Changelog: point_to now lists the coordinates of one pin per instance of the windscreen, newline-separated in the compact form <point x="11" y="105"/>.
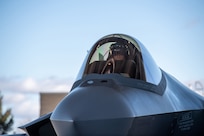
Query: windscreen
<point x="121" y="54"/>
<point x="117" y="55"/>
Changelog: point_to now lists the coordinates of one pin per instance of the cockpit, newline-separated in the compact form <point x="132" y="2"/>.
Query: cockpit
<point x="121" y="54"/>
<point x="117" y="55"/>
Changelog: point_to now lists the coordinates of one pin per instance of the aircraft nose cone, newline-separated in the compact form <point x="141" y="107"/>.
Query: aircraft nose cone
<point x="96" y="104"/>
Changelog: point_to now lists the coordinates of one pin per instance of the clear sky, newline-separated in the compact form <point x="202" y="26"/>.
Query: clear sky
<point x="43" y="43"/>
<point x="50" y="38"/>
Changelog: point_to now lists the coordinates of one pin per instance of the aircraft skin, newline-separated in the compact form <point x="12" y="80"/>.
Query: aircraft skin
<point x="124" y="97"/>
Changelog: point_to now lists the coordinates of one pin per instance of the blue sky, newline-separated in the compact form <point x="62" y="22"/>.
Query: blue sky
<point x="50" y="38"/>
<point x="43" y="43"/>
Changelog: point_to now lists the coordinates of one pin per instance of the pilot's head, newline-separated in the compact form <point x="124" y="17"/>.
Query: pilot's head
<point x="119" y="51"/>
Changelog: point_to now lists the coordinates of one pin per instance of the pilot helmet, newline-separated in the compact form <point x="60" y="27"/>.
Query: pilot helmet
<point x="119" y="49"/>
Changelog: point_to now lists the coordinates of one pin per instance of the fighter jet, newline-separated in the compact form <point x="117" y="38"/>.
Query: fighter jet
<point x="120" y="91"/>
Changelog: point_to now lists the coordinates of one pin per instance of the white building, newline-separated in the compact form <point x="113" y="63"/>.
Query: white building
<point x="197" y="86"/>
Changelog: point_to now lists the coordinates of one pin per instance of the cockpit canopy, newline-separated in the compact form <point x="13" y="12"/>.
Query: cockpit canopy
<point x="122" y="54"/>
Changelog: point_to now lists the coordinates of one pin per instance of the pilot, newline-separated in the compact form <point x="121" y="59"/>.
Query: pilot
<point x="119" y="51"/>
<point x="118" y="54"/>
